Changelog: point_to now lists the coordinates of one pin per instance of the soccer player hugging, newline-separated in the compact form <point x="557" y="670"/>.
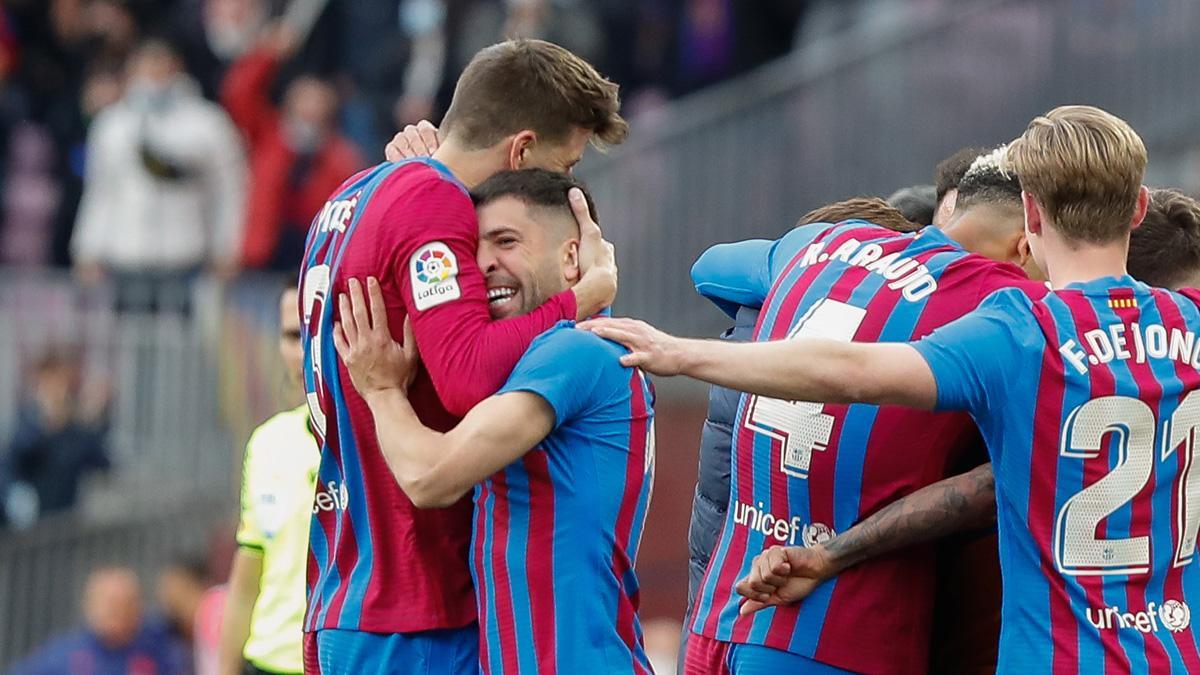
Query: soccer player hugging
<point x="560" y="460"/>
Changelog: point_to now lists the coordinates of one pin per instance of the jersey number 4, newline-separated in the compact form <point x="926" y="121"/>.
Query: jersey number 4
<point x="802" y="427"/>
<point x="1077" y="549"/>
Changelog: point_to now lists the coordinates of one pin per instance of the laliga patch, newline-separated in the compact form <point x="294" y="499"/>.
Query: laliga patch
<point x="434" y="274"/>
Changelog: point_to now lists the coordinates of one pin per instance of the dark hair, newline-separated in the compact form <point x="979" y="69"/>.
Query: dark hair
<point x="532" y="84"/>
<point x="1164" y="250"/>
<point x="871" y="209"/>
<point x="950" y="171"/>
<point x="917" y="203"/>
<point x="989" y="181"/>
<point x="191" y="563"/>
<point x="534" y="187"/>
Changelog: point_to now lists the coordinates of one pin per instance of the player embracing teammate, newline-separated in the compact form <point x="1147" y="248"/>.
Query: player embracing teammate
<point x="1085" y="398"/>
<point x="389" y="586"/>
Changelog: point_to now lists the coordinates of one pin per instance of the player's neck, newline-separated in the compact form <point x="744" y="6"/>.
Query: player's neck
<point x="470" y="167"/>
<point x="1086" y="262"/>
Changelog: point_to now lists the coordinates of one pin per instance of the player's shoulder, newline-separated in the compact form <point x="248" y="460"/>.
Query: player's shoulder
<point x="421" y="178"/>
<point x="580" y="351"/>
<point x="1019" y="300"/>
<point x="565" y="337"/>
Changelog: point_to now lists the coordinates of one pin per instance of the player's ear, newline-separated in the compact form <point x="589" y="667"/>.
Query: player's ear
<point x="1143" y="204"/>
<point x="1033" y="214"/>
<point x="570" y="261"/>
<point x="520" y="149"/>
<point x="1022" y="252"/>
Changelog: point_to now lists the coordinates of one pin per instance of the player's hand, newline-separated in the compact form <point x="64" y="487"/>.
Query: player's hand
<point x="597" y="260"/>
<point x="784" y="575"/>
<point x="374" y="360"/>
<point x="650" y="349"/>
<point x="414" y="140"/>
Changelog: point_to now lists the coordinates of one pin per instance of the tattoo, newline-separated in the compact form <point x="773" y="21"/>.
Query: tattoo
<point x="958" y="503"/>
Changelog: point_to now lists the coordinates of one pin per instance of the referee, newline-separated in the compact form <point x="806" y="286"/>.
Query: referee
<point x="261" y="631"/>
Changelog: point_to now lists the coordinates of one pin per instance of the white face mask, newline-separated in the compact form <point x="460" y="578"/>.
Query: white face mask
<point x="303" y="137"/>
<point x="149" y="94"/>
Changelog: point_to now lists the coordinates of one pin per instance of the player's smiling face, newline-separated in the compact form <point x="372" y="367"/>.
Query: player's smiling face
<point x="523" y="257"/>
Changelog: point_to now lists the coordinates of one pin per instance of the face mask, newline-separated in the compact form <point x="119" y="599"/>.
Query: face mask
<point x="149" y="94"/>
<point x="302" y="137"/>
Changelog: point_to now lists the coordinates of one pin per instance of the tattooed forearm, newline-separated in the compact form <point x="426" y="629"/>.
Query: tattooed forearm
<point x="958" y="503"/>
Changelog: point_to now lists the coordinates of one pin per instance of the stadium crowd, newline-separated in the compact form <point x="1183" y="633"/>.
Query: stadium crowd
<point x="92" y="93"/>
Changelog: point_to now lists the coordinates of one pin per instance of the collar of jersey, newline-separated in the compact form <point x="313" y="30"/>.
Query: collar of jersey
<point x="1105" y="284"/>
<point x="935" y="233"/>
<point x="441" y="169"/>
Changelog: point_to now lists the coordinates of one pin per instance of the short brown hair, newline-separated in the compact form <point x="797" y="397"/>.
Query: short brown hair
<point x="1084" y="166"/>
<point x="536" y="85"/>
<point x="536" y="188"/>
<point x="1164" y="250"/>
<point x="871" y="209"/>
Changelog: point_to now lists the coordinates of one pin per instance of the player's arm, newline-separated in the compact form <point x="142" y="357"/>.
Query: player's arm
<point x="434" y="469"/>
<point x="804" y="369"/>
<point x="243" y="589"/>
<point x="784" y="575"/>
<point x="739" y="274"/>
<point x="467" y="355"/>
<point x="734" y="275"/>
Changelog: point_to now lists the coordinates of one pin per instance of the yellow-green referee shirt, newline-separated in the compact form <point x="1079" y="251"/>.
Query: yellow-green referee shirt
<point x="278" y="483"/>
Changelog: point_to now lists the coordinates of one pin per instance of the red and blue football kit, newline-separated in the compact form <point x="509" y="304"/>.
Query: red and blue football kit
<point x="377" y="563"/>
<point x="801" y="472"/>
<point x="1087" y="398"/>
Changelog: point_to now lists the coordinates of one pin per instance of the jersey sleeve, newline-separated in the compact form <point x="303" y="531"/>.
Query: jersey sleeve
<point x="249" y="532"/>
<point x="740" y="274"/>
<point x="973" y="357"/>
<point x="468" y="356"/>
<point x="570" y="369"/>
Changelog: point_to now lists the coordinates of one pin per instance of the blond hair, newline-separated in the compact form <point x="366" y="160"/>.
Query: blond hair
<point x="536" y="85"/>
<point x="1084" y="166"/>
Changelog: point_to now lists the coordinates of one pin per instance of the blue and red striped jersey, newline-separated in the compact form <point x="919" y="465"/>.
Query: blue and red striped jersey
<point x="1092" y="446"/>
<point x="376" y="563"/>
<point x="556" y="532"/>
<point x="802" y="471"/>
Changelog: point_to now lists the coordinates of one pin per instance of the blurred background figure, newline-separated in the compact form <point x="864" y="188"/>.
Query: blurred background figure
<point x="59" y="440"/>
<point x="165" y="184"/>
<point x="297" y="155"/>
<point x="112" y="640"/>
<point x="179" y="591"/>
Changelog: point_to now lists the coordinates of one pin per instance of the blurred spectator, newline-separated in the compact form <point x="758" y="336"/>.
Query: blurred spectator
<point x="165" y="181"/>
<point x="298" y="157"/>
<point x="59" y="439"/>
<point x="112" y="639"/>
<point x="179" y="591"/>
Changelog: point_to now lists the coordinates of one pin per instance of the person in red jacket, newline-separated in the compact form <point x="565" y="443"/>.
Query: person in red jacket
<point x="297" y="156"/>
